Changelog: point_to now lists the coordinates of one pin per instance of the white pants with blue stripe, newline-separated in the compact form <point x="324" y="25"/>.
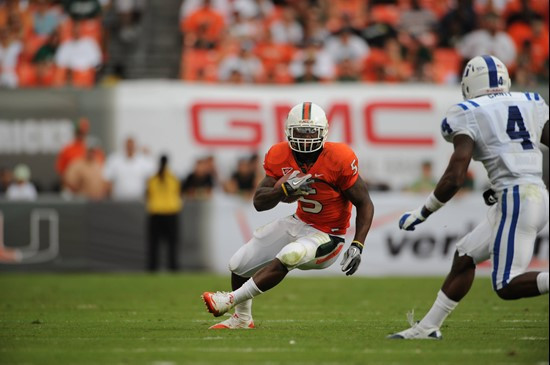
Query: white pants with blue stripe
<point x="507" y="236"/>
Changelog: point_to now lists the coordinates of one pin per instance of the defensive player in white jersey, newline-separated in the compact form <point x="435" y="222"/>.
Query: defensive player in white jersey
<point x="501" y="129"/>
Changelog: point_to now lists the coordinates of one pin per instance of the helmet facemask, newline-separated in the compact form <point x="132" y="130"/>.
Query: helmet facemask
<point x="306" y="139"/>
<point x="306" y="127"/>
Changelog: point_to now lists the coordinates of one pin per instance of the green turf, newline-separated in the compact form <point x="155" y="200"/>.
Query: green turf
<point x="160" y="320"/>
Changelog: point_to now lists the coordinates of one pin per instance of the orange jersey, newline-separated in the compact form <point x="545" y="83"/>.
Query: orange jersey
<point x="335" y="171"/>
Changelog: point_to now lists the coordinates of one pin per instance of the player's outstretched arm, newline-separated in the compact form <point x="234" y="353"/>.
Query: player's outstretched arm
<point x="457" y="169"/>
<point x="358" y="195"/>
<point x="448" y="185"/>
<point x="266" y="195"/>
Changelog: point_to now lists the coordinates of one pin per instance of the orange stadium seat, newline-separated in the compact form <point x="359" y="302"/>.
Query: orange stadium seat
<point x="60" y="77"/>
<point x="91" y="28"/>
<point x="446" y="63"/>
<point x="83" y="79"/>
<point x="520" y="32"/>
<point x="26" y="73"/>
<point x="385" y="14"/>
<point x="199" y="65"/>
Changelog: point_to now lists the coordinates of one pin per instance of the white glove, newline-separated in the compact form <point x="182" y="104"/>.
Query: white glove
<point x="298" y="185"/>
<point x="410" y="220"/>
<point x="352" y="259"/>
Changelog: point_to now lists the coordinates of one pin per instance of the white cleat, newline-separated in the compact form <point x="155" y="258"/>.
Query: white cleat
<point x="417" y="333"/>
<point x="233" y="322"/>
<point x="218" y="303"/>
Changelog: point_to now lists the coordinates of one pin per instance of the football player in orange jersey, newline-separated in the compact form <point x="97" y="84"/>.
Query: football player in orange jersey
<point x="324" y="178"/>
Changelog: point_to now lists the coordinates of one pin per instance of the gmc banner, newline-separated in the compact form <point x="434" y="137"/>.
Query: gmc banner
<point x="392" y="128"/>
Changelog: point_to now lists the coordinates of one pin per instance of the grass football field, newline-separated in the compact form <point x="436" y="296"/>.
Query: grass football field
<point x="160" y="320"/>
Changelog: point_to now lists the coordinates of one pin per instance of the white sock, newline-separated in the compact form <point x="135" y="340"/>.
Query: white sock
<point x="542" y="282"/>
<point x="439" y="311"/>
<point x="247" y="291"/>
<point x="244" y="310"/>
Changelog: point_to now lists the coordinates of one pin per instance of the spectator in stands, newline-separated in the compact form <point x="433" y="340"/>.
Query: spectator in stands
<point x="222" y="7"/>
<point x="77" y="59"/>
<point x="164" y="204"/>
<point x="21" y="188"/>
<point x="347" y="46"/>
<point x="348" y="71"/>
<point x="6" y="178"/>
<point x="490" y="39"/>
<point x="273" y="54"/>
<point x="10" y="49"/>
<point x="75" y="149"/>
<point x="287" y="29"/>
<point x="243" y="65"/>
<point x="84" y="176"/>
<point x="254" y="9"/>
<point x="520" y="11"/>
<point x="456" y="23"/>
<point x="346" y="13"/>
<point x="387" y="65"/>
<point x="200" y="182"/>
<point x="242" y="28"/>
<point x="127" y="173"/>
<point x="323" y="65"/>
<point x="14" y="13"/>
<point x="314" y="28"/>
<point x="308" y="73"/>
<point x="417" y="21"/>
<point x="44" y="62"/>
<point x="376" y="32"/>
<point x="45" y="18"/>
<point x="82" y="9"/>
<point x="426" y="182"/>
<point x="245" y="178"/>
<point x="206" y="18"/>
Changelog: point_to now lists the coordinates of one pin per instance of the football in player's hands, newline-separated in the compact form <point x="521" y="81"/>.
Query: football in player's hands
<point x="291" y="175"/>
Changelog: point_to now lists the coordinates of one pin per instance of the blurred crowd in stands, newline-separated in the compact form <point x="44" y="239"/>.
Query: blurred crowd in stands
<point x="281" y="42"/>
<point x="55" y="43"/>
<point x="46" y="43"/>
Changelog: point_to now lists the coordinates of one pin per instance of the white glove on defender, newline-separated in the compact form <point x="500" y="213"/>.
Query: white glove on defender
<point x="410" y="220"/>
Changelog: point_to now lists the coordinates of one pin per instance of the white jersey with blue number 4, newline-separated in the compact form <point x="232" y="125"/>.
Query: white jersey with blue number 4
<point x="506" y="129"/>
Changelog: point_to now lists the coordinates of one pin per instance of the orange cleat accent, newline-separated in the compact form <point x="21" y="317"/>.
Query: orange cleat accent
<point x="234" y="322"/>
<point x="217" y="303"/>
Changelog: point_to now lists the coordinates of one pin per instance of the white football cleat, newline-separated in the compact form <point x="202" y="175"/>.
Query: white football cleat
<point x="417" y="333"/>
<point x="218" y="303"/>
<point x="233" y="322"/>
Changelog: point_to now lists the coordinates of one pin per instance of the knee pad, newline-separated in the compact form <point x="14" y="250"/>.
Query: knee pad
<point x="292" y="254"/>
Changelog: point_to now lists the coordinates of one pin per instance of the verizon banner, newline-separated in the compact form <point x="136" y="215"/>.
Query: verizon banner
<point x="393" y="129"/>
<point x="388" y="251"/>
